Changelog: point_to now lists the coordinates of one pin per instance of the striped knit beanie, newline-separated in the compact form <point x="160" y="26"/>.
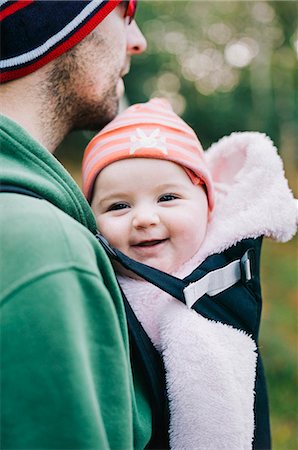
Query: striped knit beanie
<point x="147" y="130"/>
<point x="34" y="32"/>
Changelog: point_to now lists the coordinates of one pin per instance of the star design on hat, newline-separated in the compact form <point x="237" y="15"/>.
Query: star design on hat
<point x="141" y="140"/>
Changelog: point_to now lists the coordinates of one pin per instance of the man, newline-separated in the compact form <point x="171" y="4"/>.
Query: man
<point x="67" y="379"/>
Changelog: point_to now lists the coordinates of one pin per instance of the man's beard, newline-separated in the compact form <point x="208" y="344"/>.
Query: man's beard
<point x="72" y="109"/>
<point x="92" y="115"/>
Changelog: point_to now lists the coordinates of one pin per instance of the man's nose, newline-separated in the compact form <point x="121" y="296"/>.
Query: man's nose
<point x="136" y="42"/>
<point x="144" y="217"/>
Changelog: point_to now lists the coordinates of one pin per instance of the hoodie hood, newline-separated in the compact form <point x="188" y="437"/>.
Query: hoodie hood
<point x="22" y="156"/>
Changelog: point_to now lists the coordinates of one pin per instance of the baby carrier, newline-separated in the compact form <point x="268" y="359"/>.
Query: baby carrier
<point x="225" y="285"/>
<point x="213" y="290"/>
<point x="252" y="200"/>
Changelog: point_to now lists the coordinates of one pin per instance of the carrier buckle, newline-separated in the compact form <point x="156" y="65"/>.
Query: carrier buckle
<point x="247" y="263"/>
<point x="219" y="280"/>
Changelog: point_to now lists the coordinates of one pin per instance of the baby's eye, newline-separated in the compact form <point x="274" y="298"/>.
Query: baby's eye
<point x="117" y="206"/>
<point x="167" y="197"/>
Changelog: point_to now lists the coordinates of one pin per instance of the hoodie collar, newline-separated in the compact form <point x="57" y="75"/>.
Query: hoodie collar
<point x="30" y="165"/>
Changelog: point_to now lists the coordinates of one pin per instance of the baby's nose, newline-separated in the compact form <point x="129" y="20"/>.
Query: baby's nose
<point x="144" y="218"/>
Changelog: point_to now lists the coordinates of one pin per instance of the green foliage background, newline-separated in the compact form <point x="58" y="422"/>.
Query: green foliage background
<point x="225" y="66"/>
<point x="232" y="66"/>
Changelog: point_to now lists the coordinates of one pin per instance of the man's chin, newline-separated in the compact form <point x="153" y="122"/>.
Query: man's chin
<point x="97" y="117"/>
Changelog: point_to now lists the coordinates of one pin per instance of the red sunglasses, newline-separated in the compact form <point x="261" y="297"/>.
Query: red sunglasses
<point x="130" y="9"/>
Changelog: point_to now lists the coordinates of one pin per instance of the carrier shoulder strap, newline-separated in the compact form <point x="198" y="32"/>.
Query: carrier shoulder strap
<point x="168" y="283"/>
<point x="187" y="290"/>
<point x="149" y="360"/>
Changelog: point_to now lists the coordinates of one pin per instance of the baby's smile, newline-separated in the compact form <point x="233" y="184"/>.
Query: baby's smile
<point x="149" y="243"/>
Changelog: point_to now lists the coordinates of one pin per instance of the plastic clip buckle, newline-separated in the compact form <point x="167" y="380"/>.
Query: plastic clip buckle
<point x="247" y="266"/>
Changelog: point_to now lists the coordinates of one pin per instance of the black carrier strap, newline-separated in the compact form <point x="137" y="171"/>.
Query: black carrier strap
<point x="200" y="282"/>
<point x="218" y="274"/>
<point x="148" y="359"/>
<point x="172" y="285"/>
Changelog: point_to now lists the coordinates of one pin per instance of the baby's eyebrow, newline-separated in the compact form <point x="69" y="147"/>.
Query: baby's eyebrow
<point x="115" y="196"/>
<point x="175" y="185"/>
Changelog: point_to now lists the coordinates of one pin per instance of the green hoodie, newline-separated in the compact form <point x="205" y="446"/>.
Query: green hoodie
<point x="67" y="381"/>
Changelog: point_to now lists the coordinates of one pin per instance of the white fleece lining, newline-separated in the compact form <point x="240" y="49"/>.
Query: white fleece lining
<point x="210" y="367"/>
<point x="210" y="381"/>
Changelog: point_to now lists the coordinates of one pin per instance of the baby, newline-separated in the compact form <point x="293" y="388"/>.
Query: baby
<point x="149" y="186"/>
<point x="164" y="202"/>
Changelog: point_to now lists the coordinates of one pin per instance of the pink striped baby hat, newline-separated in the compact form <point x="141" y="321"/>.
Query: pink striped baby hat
<point x="147" y="130"/>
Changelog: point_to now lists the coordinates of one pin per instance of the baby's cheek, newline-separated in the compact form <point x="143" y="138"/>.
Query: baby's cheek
<point x="192" y="238"/>
<point x="118" y="237"/>
<point x="107" y="230"/>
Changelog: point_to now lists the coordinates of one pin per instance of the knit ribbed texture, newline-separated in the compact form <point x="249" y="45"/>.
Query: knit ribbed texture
<point x="34" y="33"/>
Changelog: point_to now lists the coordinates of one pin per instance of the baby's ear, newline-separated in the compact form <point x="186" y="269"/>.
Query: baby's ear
<point x="226" y="159"/>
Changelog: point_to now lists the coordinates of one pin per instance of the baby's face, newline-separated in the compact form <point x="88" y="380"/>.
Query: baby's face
<point x="150" y="210"/>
